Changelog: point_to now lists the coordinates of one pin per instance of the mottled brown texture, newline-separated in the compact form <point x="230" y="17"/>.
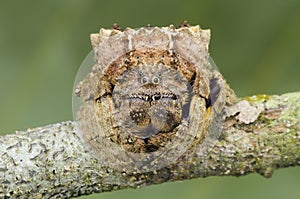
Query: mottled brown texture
<point x="151" y="96"/>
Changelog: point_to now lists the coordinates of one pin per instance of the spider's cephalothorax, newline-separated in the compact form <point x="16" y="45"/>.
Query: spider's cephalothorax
<point x="151" y="96"/>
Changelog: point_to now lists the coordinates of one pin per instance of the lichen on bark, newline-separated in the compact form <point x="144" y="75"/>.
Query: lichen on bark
<point x="52" y="162"/>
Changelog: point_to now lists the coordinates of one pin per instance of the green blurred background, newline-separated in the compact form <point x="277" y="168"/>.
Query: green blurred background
<point x="255" y="44"/>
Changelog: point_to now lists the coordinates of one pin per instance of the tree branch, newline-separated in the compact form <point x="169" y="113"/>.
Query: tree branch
<point x="261" y="134"/>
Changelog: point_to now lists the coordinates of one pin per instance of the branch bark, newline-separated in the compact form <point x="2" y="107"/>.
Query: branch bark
<point x="261" y="134"/>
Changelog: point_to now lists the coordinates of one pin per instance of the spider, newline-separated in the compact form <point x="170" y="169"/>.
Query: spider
<point x="152" y="94"/>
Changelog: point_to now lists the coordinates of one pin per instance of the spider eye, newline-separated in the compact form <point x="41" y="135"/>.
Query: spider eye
<point x="155" y="80"/>
<point x="144" y="80"/>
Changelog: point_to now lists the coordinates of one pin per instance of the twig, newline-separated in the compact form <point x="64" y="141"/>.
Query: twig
<point x="261" y="134"/>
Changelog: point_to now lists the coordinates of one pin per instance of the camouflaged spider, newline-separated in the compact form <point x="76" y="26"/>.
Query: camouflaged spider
<point x="152" y="94"/>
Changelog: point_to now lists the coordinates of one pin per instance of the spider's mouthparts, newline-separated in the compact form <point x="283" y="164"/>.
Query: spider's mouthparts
<point x="152" y="97"/>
